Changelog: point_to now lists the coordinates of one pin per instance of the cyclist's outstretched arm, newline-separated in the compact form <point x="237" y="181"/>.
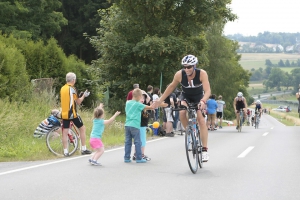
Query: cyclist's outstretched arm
<point x="206" y="85"/>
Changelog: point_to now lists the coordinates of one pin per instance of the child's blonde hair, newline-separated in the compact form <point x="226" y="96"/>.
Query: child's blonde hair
<point x="137" y="93"/>
<point x="98" y="112"/>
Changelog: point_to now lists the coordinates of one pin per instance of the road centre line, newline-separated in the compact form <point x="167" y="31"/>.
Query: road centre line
<point x="266" y="133"/>
<point x="242" y="155"/>
<point x="65" y="160"/>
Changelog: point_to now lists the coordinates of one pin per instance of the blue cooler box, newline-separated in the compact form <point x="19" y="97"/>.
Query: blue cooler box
<point x="154" y="130"/>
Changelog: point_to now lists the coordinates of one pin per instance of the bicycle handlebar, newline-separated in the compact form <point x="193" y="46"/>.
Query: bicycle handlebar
<point x="191" y="106"/>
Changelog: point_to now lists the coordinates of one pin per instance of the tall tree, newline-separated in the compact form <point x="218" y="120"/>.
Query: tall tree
<point x="140" y="40"/>
<point x="268" y="63"/>
<point x="33" y="18"/>
<point x="83" y="20"/>
<point x="275" y="78"/>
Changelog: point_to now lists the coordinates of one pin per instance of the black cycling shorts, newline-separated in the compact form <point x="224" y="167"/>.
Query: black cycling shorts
<point x="191" y="98"/>
<point x="77" y="122"/>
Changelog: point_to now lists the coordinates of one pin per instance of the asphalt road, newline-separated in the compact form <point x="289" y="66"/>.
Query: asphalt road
<point x="258" y="164"/>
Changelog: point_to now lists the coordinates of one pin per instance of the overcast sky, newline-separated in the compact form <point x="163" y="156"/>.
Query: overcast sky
<point x="257" y="16"/>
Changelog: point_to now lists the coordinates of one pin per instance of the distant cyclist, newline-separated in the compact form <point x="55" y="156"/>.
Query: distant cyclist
<point x="240" y="103"/>
<point x="258" y="107"/>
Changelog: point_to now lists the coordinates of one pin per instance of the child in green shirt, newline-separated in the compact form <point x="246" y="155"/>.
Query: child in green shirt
<point x="133" y="111"/>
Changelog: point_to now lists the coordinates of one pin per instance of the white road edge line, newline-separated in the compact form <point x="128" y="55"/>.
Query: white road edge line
<point x="266" y="133"/>
<point x="65" y="160"/>
<point x="242" y="155"/>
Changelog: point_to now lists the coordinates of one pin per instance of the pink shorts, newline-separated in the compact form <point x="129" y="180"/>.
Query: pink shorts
<point x="96" y="143"/>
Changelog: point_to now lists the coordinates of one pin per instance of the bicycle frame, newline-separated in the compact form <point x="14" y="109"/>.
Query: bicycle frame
<point x="240" y="120"/>
<point x="193" y="142"/>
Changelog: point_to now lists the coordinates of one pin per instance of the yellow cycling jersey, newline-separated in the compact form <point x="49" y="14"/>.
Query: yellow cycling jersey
<point x="68" y="95"/>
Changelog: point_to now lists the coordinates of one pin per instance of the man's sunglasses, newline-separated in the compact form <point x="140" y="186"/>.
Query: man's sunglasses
<point x="187" y="67"/>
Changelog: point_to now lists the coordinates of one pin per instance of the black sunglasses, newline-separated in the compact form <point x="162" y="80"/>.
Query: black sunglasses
<point x="187" y="67"/>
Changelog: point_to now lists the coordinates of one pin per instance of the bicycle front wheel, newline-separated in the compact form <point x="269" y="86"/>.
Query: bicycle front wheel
<point x="54" y="141"/>
<point x="256" y="123"/>
<point x="191" y="150"/>
<point x="199" y="144"/>
<point x="241" y="124"/>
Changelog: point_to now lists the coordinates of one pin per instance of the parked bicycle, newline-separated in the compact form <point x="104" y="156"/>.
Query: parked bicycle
<point x="193" y="143"/>
<point x="54" y="140"/>
<point x="240" y="120"/>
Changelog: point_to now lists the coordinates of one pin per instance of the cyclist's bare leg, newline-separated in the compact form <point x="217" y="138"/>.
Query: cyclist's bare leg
<point x="203" y="128"/>
<point x="82" y="135"/>
<point x="237" y="117"/>
<point x="260" y="112"/>
<point x="183" y="118"/>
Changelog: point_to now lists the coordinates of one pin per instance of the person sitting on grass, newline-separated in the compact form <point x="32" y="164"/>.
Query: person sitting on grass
<point x="47" y="124"/>
<point x="97" y="131"/>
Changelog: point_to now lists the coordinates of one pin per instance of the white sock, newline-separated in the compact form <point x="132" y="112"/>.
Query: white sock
<point x="66" y="151"/>
<point x="83" y="148"/>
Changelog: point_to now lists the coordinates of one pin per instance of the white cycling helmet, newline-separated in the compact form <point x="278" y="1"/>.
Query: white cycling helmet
<point x="189" y="60"/>
<point x="239" y="94"/>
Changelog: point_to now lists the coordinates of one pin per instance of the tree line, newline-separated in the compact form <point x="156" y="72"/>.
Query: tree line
<point x="282" y="42"/>
<point x="117" y="44"/>
<point x="285" y="39"/>
<point x="274" y="77"/>
<point x="282" y="63"/>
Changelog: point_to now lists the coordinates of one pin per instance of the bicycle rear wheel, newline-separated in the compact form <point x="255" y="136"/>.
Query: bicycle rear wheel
<point x="191" y="150"/>
<point x="54" y="141"/>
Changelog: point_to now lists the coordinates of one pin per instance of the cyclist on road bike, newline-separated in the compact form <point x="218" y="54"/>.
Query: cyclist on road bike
<point x="239" y="103"/>
<point x="196" y="89"/>
<point x="258" y="107"/>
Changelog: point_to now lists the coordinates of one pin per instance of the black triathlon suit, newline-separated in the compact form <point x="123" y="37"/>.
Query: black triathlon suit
<point x="191" y="93"/>
<point x="239" y="104"/>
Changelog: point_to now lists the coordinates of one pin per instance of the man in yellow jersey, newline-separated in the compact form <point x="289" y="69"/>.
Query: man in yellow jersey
<point x="69" y="102"/>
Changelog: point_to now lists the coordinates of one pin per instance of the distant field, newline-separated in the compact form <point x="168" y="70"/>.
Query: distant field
<point x="257" y="60"/>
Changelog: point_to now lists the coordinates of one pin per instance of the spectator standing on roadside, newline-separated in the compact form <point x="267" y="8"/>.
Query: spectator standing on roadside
<point x="170" y="100"/>
<point x="149" y="92"/>
<point x="176" y="113"/>
<point x="69" y="102"/>
<point x="133" y="111"/>
<point x="156" y="94"/>
<point x="129" y="95"/>
<point x="211" y="112"/>
<point x="220" y="110"/>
